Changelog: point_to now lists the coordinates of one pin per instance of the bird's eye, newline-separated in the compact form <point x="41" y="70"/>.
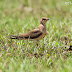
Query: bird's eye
<point x="43" y="19"/>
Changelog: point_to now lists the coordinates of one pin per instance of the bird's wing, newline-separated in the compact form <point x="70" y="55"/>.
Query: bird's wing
<point x="32" y="34"/>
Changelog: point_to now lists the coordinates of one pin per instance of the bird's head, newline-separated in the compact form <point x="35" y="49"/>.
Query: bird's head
<point x="44" y="20"/>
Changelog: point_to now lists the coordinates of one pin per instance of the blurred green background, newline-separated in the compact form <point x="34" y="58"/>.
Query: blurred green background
<point x="20" y="16"/>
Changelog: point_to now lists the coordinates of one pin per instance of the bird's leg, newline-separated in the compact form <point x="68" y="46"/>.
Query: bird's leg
<point x="36" y="48"/>
<point x="37" y="44"/>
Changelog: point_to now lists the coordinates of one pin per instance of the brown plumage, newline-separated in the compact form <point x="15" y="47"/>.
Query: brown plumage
<point x="35" y="34"/>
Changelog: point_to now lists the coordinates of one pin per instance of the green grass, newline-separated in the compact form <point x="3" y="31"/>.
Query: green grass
<point x="20" y="16"/>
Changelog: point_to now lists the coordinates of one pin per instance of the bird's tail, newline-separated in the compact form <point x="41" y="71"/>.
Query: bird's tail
<point x="14" y="37"/>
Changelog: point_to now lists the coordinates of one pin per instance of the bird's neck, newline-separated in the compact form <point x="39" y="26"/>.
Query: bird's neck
<point x="44" y="24"/>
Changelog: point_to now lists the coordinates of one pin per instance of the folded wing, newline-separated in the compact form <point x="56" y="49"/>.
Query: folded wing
<point x="31" y="34"/>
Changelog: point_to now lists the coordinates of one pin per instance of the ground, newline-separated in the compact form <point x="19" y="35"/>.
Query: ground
<point x="54" y="53"/>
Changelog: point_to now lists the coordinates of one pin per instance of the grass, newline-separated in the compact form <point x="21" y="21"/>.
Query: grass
<point x="24" y="15"/>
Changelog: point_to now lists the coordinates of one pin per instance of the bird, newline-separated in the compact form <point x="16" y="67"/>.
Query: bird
<point x="35" y="34"/>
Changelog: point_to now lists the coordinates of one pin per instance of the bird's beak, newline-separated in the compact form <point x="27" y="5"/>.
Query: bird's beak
<point x="47" y="18"/>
